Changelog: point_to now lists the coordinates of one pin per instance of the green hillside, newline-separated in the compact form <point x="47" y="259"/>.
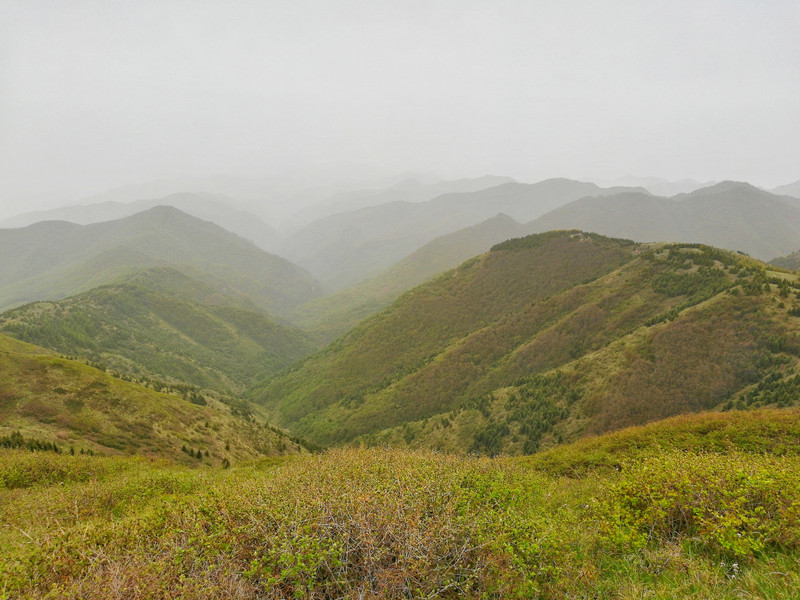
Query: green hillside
<point x="547" y="338"/>
<point x="46" y="399"/>
<point x="51" y="260"/>
<point x="162" y="324"/>
<point x="703" y="508"/>
<point x="382" y="354"/>
<point x="331" y="316"/>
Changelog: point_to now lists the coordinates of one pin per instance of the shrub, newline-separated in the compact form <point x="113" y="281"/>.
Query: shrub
<point x="736" y="504"/>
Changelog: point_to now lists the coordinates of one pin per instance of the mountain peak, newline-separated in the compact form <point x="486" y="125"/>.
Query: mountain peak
<point x="723" y="187"/>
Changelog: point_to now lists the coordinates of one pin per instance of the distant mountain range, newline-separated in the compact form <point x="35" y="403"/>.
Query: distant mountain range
<point x="657" y="185"/>
<point x="346" y="248"/>
<point x="407" y="190"/>
<point x="547" y="338"/>
<point x="731" y="215"/>
<point x="790" y="189"/>
<point x="462" y="332"/>
<point x="216" y="208"/>
<point x="54" y="259"/>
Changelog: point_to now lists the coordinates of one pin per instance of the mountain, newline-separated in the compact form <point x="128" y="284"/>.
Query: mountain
<point x="659" y="186"/>
<point x="550" y="337"/>
<point x="53" y="259"/>
<point x="160" y="323"/>
<point x="790" y="189"/>
<point x="407" y="190"/>
<point x="331" y="316"/>
<point x="731" y="215"/>
<point x="47" y="399"/>
<point x="346" y="248"/>
<point x="790" y="261"/>
<point x="216" y="208"/>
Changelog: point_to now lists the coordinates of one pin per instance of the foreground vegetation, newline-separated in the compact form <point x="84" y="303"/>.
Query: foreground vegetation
<point x="703" y="507"/>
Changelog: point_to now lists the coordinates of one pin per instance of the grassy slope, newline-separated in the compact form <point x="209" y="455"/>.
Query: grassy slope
<point x="729" y="352"/>
<point x="331" y="316"/>
<point x="52" y="399"/>
<point x="355" y="374"/>
<point x="633" y="342"/>
<point x="641" y="513"/>
<point x="160" y="323"/>
<point x="51" y="260"/>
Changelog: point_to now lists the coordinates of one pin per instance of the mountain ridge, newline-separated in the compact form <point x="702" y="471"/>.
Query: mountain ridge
<point x="732" y="215"/>
<point x="344" y="249"/>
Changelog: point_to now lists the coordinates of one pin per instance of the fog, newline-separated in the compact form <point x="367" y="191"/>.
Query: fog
<point x="95" y="95"/>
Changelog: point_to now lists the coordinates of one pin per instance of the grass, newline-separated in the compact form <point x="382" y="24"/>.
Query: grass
<point x="666" y="520"/>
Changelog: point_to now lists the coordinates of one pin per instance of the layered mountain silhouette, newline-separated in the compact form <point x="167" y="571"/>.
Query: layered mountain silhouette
<point x="331" y="316"/>
<point x="216" y="208"/>
<point x="346" y="248"/>
<point x="659" y="186"/>
<point x="415" y="189"/>
<point x="53" y="259"/>
<point x="731" y="215"/>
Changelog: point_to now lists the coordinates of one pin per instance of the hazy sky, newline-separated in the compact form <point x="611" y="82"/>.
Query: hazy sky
<point x="99" y="94"/>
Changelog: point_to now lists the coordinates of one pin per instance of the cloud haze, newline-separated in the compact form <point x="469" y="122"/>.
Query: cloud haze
<point x="98" y="94"/>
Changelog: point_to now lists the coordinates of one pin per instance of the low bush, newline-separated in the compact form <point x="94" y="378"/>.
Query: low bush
<point x="736" y="504"/>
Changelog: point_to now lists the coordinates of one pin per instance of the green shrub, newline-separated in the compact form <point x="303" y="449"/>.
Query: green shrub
<point x="735" y="504"/>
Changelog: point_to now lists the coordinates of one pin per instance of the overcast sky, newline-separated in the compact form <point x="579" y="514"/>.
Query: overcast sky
<point x="99" y="94"/>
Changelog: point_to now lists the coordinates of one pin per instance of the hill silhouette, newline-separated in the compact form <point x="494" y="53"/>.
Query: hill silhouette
<point x="343" y="249"/>
<point x="50" y="260"/>
<point x="731" y="215"/>
<point x="331" y="316"/>
<point x="216" y="208"/>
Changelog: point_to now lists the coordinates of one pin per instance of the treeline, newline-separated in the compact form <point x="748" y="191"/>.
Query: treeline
<point x="773" y="390"/>
<point x="539" y="239"/>
<point x="15" y="440"/>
